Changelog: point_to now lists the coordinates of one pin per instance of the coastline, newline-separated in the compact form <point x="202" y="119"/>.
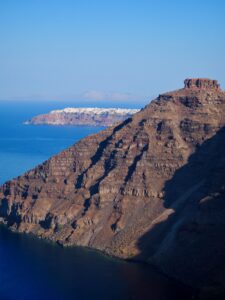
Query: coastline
<point x="189" y="290"/>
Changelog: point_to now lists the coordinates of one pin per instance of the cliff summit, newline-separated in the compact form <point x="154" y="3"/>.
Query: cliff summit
<point x="201" y="83"/>
<point x="151" y="188"/>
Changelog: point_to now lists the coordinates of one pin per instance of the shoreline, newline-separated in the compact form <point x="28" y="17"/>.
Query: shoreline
<point x="29" y="235"/>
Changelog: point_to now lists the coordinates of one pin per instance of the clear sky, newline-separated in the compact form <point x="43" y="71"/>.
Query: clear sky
<point x="108" y="49"/>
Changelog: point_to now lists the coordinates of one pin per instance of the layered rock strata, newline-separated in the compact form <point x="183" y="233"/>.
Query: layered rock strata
<point x="151" y="188"/>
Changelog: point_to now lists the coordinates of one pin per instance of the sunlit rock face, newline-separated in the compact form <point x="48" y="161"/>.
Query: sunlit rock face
<point x="151" y="188"/>
<point x="201" y="83"/>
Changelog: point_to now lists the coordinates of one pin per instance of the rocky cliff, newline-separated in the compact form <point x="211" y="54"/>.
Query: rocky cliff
<point x="151" y="188"/>
<point x="92" y="116"/>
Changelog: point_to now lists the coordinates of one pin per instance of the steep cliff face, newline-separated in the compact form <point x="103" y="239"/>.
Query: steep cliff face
<point x="151" y="188"/>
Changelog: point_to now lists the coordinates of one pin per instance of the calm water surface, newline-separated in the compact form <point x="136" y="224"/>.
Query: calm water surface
<point x="35" y="269"/>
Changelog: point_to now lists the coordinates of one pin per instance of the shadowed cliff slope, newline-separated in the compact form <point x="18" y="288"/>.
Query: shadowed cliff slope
<point x="189" y="243"/>
<point x="150" y="188"/>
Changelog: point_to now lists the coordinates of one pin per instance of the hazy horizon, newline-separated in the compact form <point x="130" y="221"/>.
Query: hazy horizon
<point x="122" y="51"/>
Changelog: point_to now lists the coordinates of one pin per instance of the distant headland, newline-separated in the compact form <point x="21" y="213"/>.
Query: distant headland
<point x="83" y="116"/>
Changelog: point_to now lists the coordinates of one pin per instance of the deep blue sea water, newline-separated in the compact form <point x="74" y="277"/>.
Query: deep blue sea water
<point x="22" y="146"/>
<point x="34" y="269"/>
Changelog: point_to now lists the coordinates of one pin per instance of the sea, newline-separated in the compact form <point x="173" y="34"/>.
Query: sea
<point x="34" y="269"/>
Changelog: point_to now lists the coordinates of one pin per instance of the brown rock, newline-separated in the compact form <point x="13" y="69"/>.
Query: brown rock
<point x="201" y="83"/>
<point x="151" y="188"/>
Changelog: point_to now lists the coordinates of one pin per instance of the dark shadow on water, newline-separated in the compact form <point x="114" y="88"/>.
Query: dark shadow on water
<point x="35" y="269"/>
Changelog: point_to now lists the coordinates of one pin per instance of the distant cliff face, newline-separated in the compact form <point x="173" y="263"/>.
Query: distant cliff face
<point x="151" y="188"/>
<point x="83" y="116"/>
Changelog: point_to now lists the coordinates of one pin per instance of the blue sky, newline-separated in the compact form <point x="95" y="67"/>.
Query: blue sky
<point x="117" y="49"/>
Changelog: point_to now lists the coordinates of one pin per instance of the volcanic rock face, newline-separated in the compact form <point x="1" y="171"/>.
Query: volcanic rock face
<point x="151" y="188"/>
<point x="201" y="84"/>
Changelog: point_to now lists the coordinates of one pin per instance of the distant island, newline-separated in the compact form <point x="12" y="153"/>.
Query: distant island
<point x="83" y="116"/>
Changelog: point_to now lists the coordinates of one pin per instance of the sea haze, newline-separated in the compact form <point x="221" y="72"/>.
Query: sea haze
<point x="35" y="269"/>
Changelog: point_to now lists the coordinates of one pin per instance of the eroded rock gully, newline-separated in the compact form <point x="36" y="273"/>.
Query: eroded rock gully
<point x="151" y="188"/>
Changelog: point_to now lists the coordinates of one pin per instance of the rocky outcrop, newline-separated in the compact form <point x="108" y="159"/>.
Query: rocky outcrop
<point x="151" y="188"/>
<point x="83" y="116"/>
<point x="200" y="83"/>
